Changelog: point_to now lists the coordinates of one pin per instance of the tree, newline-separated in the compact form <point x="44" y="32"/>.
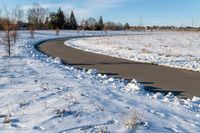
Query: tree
<point x="67" y="22"/>
<point x="118" y="26"/>
<point x="9" y="32"/>
<point x="126" y="26"/>
<point x="57" y="31"/>
<point x="86" y="25"/>
<point x="47" y="24"/>
<point x="1" y="24"/>
<point x="101" y="25"/>
<point x="37" y="16"/>
<point x="32" y="31"/>
<point x="110" y="25"/>
<point x="57" y="20"/>
<point x="91" y="23"/>
<point x="72" y="21"/>
<point x="53" y="20"/>
<point x="106" y="29"/>
<point x="60" y="19"/>
<point x="82" y="23"/>
<point x="18" y="14"/>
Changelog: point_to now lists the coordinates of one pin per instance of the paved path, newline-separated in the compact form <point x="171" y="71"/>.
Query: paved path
<point x="155" y="78"/>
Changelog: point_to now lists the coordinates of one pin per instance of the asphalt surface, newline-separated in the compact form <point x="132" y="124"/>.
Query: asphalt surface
<point x="182" y="83"/>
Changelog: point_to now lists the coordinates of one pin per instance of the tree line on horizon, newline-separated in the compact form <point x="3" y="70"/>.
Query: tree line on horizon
<point x="38" y="18"/>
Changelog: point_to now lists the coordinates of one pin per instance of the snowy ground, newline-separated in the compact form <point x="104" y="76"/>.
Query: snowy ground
<point x="39" y="94"/>
<point x="174" y="49"/>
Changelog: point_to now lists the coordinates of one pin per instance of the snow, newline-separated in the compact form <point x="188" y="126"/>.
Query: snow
<point x="173" y="49"/>
<point x="39" y="94"/>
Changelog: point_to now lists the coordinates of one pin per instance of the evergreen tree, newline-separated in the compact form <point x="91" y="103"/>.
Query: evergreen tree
<point x="126" y="26"/>
<point x="72" y="21"/>
<point x="101" y="25"/>
<point x="67" y="23"/>
<point x="53" y="20"/>
<point x="60" y="19"/>
<point x="57" y="20"/>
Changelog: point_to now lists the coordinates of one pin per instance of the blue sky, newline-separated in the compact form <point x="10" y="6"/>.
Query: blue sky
<point x="152" y="12"/>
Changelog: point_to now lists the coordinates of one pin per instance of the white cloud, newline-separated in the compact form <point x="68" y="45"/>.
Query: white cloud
<point x="106" y="3"/>
<point x="86" y="9"/>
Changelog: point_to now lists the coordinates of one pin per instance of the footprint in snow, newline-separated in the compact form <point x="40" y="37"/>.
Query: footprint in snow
<point x="39" y="128"/>
<point x="193" y="123"/>
<point x="16" y="125"/>
<point x="158" y="113"/>
<point x="128" y="107"/>
<point x="173" y="130"/>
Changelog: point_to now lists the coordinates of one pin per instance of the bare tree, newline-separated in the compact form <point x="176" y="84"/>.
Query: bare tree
<point x="91" y="23"/>
<point x="32" y="31"/>
<point x="57" y="31"/>
<point x="17" y="17"/>
<point x="82" y="22"/>
<point x="84" y="25"/>
<point x="106" y="29"/>
<point x="37" y="15"/>
<point x="9" y="32"/>
<point x="78" y="30"/>
<point x="18" y="14"/>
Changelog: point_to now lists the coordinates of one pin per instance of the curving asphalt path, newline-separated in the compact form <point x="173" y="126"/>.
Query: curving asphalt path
<point x="183" y="83"/>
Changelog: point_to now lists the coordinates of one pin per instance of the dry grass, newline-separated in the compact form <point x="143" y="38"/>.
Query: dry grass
<point x="144" y="50"/>
<point x="7" y="120"/>
<point x="131" y="122"/>
<point x="134" y="120"/>
<point x="198" y="59"/>
<point x="102" y="130"/>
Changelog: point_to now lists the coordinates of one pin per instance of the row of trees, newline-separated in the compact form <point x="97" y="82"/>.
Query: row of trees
<point x="38" y="18"/>
<point x="41" y="19"/>
<point x="59" y="20"/>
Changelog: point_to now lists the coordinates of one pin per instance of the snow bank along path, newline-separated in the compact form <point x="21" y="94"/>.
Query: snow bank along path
<point x="155" y="78"/>
<point x="42" y="95"/>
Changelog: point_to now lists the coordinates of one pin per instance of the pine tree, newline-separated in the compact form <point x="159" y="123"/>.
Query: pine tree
<point x="60" y="19"/>
<point x="73" y="23"/>
<point x="57" y="20"/>
<point x="101" y="25"/>
<point x="53" y="20"/>
<point x="126" y="26"/>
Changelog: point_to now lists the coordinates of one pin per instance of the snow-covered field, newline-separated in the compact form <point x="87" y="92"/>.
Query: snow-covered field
<point x="174" y="49"/>
<point x="39" y="94"/>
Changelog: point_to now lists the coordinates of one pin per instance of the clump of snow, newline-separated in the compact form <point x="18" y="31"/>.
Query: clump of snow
<point x="174" y="49"/>
<point x="196" y="100"/>
<point x="158" y="96"/>
<point x="57" y="60"/>
<point x="40" y="94"/>
<point x="134" y="86"/>
<point x="92" y="71"/>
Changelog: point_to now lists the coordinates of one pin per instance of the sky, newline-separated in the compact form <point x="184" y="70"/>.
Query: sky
<point x="135" y="12"/>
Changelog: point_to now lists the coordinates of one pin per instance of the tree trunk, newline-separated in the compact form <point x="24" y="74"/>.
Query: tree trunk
<point x="9" y="51"/>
